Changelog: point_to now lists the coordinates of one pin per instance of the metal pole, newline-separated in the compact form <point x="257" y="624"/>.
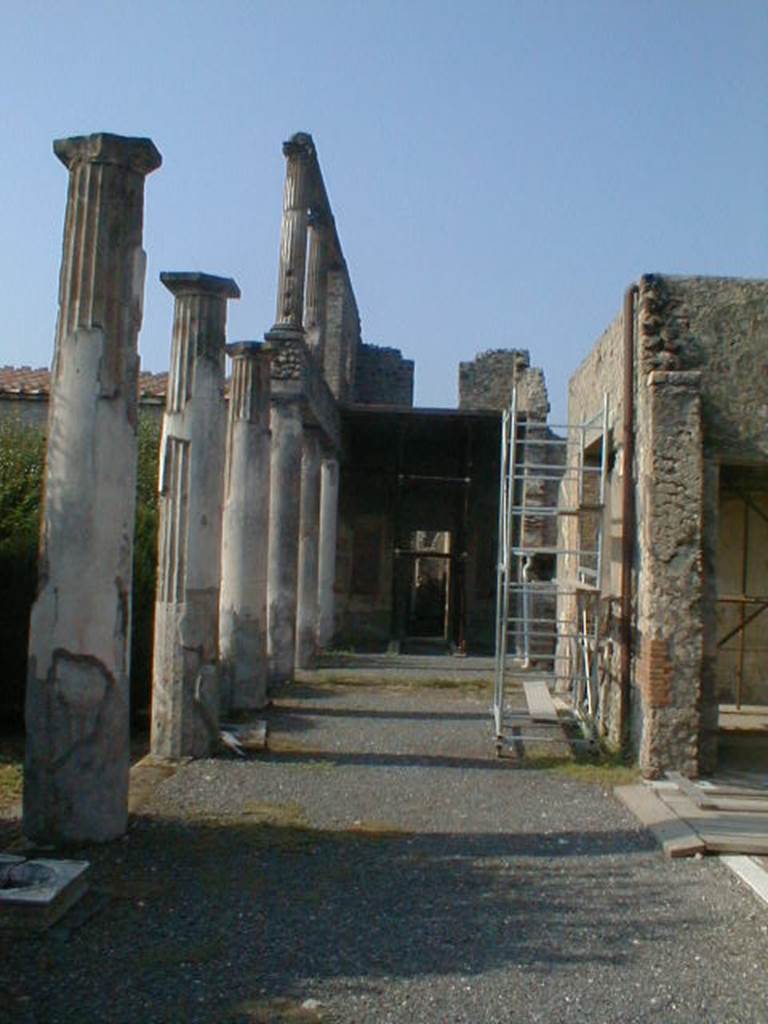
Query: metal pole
<point x="500" y="561"/>
<point x="742" y="614"/>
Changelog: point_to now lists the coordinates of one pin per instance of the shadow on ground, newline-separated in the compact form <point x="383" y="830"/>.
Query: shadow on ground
<point x="199" y="919"/>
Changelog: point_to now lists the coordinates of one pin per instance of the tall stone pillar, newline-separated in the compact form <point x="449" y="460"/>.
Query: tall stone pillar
<point x="329" y="509"/>
<point x="185" y="698"/>
<point x="299" y="153"/>
<point x="243" y="606"/>
<point x="317" y="285"/>
<point x="77" y="703"/>
<point x="282" y="566"/>
<point x="309" y="528"/>
<point x="670" y="587"/>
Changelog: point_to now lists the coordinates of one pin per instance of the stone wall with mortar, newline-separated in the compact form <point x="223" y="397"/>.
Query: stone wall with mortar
<point x="716" y="328"/>
<point x="487" y="381"/>
<point x="600" y="373"/>
<point x="383" y="377"/>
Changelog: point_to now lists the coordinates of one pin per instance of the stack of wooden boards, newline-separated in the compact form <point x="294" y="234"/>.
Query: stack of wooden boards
<point x="701" y="817"/>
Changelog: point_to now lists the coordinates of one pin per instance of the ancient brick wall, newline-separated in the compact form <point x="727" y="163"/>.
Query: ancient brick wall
<point x="487" y="381"/>
<point x="383" y="377"/>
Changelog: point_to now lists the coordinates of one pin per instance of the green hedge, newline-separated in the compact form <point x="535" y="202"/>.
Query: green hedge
<point x="22" y="458"/>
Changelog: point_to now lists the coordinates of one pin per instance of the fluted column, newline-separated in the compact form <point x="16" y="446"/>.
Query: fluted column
<point x="282" y="568"/>
<point x="309" y="528"/>
<point x="316" y="288"/>
<point x="245" y="532"/>
<point x="185" y="697"/>
<point x="77" y="702"/>
<point x="329" y="506"/>
<point x="299" y="153"/>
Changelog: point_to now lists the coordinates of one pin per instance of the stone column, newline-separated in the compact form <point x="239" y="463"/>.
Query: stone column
<point x="316" y="291"/>
<point x="282" y="566"/>
<point x="185" y="698"/>
<point x="299" y="152"/>
<point x="77" y="703"/>
<point x="329" y="510"/>
<point x="307" y="605"/>
<point x="243" y="606"/>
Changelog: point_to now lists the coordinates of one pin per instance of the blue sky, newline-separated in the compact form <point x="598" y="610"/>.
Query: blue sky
<point x="499" y="171"/>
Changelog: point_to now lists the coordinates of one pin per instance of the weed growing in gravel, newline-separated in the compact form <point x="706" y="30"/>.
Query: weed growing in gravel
<point x="414" y="682"/>
<point x="11" y="777"/>
<point x="602" y="768"/>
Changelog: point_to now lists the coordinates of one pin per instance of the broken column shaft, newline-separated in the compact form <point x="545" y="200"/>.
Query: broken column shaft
<point x="317" y="284"/>
<point x="185" y="697"/>
<point x="329" y="502"/>
<point x="77" y="701"/>
<point x="243" y="606"/>
<point x="306" y="614"/>
<point x="299" y="152"/>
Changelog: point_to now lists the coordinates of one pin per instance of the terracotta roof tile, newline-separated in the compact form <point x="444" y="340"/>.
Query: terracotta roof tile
<point x="21" y="381"/>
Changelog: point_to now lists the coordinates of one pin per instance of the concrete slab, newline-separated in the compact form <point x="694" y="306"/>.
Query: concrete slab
<point x="751" y="871"/>
<point x="36" y="893"/>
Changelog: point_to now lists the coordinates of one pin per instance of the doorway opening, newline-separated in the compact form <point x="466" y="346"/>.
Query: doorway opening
<point x="742" y="617"/>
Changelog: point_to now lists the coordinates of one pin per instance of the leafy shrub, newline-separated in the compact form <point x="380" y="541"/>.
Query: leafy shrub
<point x="144" y="565"/>
<point x="22" y="462"/>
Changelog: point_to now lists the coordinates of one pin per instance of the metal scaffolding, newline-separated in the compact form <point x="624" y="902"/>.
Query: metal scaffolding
<point x="552" y="489"/>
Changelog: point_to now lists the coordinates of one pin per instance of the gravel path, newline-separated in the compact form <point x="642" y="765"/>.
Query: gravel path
<point x="380" y="864"/>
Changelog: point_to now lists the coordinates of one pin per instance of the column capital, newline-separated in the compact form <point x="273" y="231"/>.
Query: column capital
<point x="195" y="283"/>
<point x="246" y="348"/>
<point x="300" y="144"/>
<point x="138" y="155"/>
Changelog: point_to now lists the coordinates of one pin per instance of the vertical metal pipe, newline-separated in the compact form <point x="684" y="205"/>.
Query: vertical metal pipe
<point x="742" y="606"/>
<point x="500" y="577"/>
<point x="627" y="511"/>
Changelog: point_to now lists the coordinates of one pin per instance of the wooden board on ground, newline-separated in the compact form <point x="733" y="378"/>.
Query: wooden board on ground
<point x="676" y="837"/>
<point x="541" y="707"/>
<point x="721" y="831"/>
<point x="713" y="800"/>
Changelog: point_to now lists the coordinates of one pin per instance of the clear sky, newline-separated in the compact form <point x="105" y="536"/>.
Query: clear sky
<point x="500" y="170"/>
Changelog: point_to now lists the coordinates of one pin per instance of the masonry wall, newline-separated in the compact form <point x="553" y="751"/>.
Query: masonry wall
<point x="701" y="402"/>
<point x="28" y="412"/>
<point x="717" y="327"/>
<point x="487" y="382"/>
<point x="600" y="373"/>
<point x="383" y="377"/>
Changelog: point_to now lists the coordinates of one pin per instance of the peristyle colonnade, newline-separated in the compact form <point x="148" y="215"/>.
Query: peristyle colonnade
<point x="248" y="490"/>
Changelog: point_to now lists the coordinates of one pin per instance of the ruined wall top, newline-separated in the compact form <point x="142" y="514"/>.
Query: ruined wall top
<point x="383" y="377"/>
<point x="487" y="381"/>
<point x="715" y="325"/>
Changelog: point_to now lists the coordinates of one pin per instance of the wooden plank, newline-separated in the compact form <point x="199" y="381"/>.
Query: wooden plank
<point x="714" y="801"/>
<point x="719" y="821"/>
<point x="540" y="705"/>
<point x="722" y="832"/>
<point x="675" y="836"/>
<point x="723" y="843"/>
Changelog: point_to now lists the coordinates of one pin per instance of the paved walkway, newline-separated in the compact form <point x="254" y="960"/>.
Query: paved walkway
<point x="380" y="864"/>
